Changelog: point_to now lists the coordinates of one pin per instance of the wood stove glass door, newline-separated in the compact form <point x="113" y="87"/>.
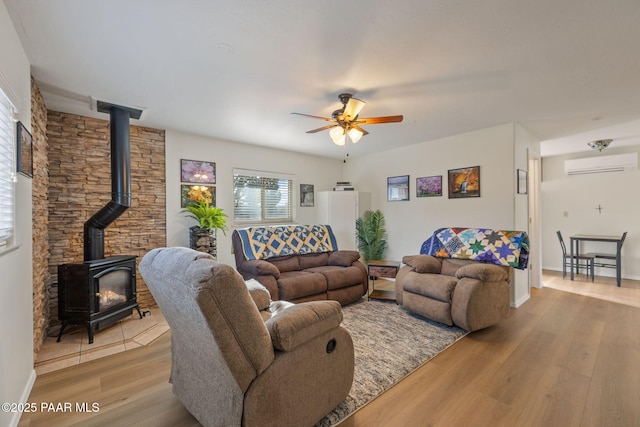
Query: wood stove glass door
<point x="113" y="286"/>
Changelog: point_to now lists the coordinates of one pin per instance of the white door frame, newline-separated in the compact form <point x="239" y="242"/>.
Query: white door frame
<point x="533" y="192"/>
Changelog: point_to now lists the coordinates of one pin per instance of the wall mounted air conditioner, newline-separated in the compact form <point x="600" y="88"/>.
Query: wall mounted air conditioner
<point x="598" y="164"/>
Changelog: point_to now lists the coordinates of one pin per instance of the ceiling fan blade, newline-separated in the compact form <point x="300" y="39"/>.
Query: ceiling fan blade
<point x="327" y="119"/>
<point x="378" y="120"/>
<point x="322" y="128"/>
<point x="353" y="108"/>
<point x="355" y="126"/>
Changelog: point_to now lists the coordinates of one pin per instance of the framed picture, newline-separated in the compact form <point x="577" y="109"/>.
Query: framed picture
<point x="197" y="171"/>
<point x="429" y="186"/>
<point x="25" y="151"/>
<point x="194" y="193"/>
<point x="398" y="188"/>
<point x="464" y="182"/>
<point x="522" y="181"/>
<point x="306" y="195"/>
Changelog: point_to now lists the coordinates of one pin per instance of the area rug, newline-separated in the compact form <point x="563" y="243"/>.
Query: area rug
<point x="389" y="343"/>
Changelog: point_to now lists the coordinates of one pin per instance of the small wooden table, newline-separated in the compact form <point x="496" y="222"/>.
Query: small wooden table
<point x="386" y="269"/>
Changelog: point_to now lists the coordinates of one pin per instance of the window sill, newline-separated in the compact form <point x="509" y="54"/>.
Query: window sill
<point x="8" y="249"/>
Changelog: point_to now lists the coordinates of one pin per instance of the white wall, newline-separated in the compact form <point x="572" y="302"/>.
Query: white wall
<point x="16" y="287"/>
<point x="322" y="172"/>
<point x="410" y="223"/>
<point x="579" y="196"/>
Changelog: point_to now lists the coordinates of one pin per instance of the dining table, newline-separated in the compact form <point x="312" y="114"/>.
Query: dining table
<point x="575" y="243"/>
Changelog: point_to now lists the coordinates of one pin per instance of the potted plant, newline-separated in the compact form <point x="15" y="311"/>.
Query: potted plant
<point x="210" y="218"/>
<point x="371" y="235"/>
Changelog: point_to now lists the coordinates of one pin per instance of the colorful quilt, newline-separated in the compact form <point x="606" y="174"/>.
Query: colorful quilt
<point x="270" y="242"/>
<point x="502" y="247"/>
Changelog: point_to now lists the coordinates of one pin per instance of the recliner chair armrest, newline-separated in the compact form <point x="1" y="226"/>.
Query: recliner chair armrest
<point x="482" y="272"/>
<point x="302" y="322"/>
<point x="258" y="267"/>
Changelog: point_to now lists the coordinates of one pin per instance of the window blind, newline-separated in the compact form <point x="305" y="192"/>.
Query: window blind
<point x="7" y="174"/>
<point x="262" y="197"/>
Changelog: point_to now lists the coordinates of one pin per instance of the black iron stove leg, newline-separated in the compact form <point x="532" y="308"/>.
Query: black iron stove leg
<point x="139" y="312"/>
<point x="64" y="325"/>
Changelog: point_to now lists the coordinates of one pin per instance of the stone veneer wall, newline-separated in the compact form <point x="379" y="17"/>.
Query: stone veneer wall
<point x="80" y="185"/>
<point x="40" y="223"/>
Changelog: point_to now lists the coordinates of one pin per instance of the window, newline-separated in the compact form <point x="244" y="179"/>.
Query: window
<point x="262" y="197"/>
<point x="7" y="174"/>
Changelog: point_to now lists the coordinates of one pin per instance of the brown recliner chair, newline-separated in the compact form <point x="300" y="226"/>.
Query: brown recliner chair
<point x="239" y="359"/>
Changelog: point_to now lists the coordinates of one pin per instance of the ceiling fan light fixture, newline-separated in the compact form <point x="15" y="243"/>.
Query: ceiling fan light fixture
<point x="355" y="135"/>
<point x="338" y="136"/>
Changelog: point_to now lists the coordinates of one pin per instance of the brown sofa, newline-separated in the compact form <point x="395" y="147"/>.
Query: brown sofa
<point x="335" y="275"/>
<point x="239" y="359"/>
<point x="469" y="294"/>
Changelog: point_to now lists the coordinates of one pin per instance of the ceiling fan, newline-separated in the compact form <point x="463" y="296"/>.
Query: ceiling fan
<point x="345" y="121"/>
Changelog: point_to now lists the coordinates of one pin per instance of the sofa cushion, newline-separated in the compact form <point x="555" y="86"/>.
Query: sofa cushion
<point x="449" y="268"/>
<point x="423" y="263"/>
<point x="483" y="272"/>
<point x="259" y="294"/>
<point x="313" y="260"/>
<point x="343" y="258"/>
<point x="339" y="277"/>
<point x="436" y="286"/>
<point x="286" y="263"/>
<point x="297" y="284"/>
<point x="302" y="322"/>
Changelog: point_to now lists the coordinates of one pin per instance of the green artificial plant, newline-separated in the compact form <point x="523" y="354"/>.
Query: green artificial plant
<point x="371" y="234"/>
<point x="209" y="217"/>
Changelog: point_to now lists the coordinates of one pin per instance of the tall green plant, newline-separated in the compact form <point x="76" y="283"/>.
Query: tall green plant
<point x="371" y="234"/>
<point x="209" y="217"/>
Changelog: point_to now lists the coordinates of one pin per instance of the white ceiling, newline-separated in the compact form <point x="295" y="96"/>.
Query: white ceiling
<point x="236" y="70"/>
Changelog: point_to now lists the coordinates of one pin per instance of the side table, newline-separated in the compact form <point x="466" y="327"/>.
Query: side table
<point x="386" y="269"/>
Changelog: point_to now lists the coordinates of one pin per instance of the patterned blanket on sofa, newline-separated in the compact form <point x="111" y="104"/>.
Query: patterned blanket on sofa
<point x="270" y="242"/>
<point x="502" y="247"/>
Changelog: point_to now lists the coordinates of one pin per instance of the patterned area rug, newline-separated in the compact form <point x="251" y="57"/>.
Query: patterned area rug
<point x="389" y="344"/>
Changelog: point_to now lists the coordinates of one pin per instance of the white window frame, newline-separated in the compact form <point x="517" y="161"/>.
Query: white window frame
<point x="7" y="172"/>
<point x="292" y="179"/>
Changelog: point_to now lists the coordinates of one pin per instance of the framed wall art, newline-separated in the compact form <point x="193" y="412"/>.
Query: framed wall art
<point x="522" y="181"/>
<point x="24" y="153"/>
<point x="197" y="171"/>
<point x="464" y="182"/>
<point x="398" y="188"/>
<point x="429" y="186"/>
<point x="306" y="195"/>
<point x="197" y="193"/>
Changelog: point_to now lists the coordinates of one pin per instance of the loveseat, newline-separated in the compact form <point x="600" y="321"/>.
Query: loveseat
<point x="240" y="359"/>
<point x="299" y="263"/>
<point x="462" y="275"/>
<point x="470" y="294"/>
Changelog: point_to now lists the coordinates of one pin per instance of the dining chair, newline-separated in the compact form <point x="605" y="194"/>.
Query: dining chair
<point x="566" y="260"/>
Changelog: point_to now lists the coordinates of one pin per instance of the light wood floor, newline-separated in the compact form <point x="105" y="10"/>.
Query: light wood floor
<point x="561" y="359"/>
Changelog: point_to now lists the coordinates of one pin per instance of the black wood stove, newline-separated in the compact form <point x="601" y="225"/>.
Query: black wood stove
<point x="100" y="291"/>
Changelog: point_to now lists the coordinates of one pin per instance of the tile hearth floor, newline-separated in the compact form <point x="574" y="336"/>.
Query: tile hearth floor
<point x="74" y="347"/>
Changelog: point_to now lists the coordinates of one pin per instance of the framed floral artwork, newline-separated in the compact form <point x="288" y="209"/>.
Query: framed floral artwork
<point x="429" y="186"/>
<point x="197" y="171"/>
<point x="197" y="193"/>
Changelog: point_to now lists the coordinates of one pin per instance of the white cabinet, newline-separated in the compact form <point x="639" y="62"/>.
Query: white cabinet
<point x="340" y="209"/>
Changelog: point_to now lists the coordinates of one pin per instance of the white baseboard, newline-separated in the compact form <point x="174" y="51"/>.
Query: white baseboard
<point x="516" y="304"/>
<point x="24" y="398"/>
<point x="604" y="272"/>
